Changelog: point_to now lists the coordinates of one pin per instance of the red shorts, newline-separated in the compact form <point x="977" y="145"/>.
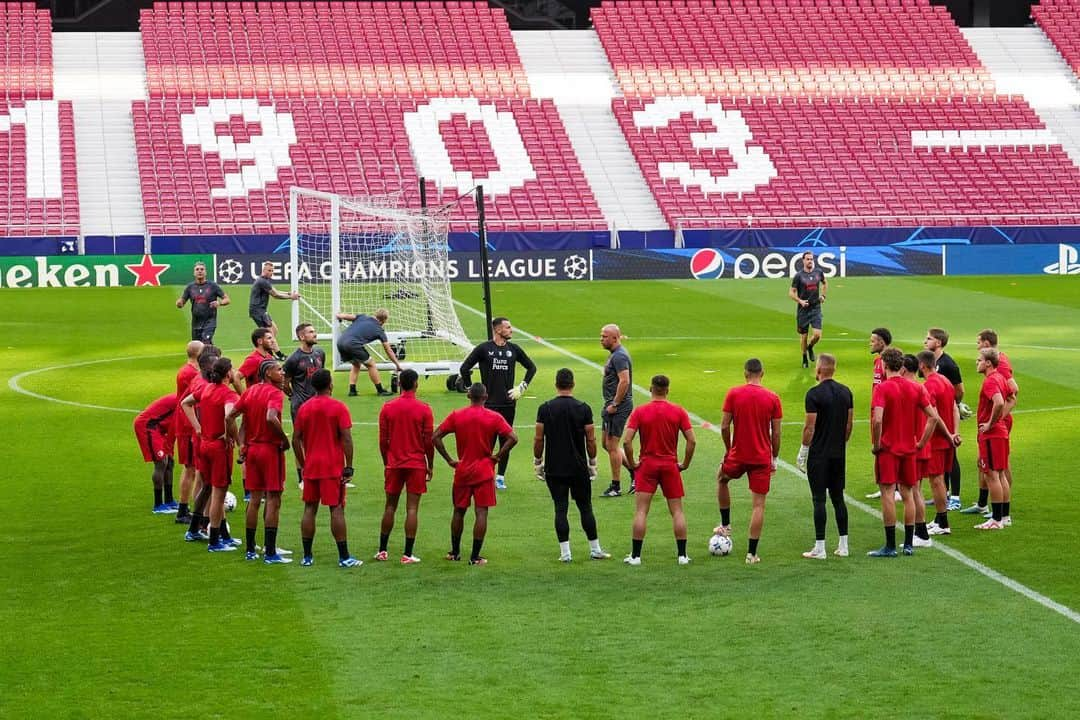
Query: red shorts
<point x="328" y="491"/>
<point x="154" y="445"/>
<point x="412" y="480"/>
<point x="993" y="454"/>
<point x="265" y="467"/>
<point x="941" y="462"/>
<point x="217" y="463"/>
<point x="892" y="469"/>
<point x="663" y="473"/>
<point x="185" y="450"/>
<point x="481" y="494"/>
<point x="922" y="467"/>
<point x="759" y="476"/>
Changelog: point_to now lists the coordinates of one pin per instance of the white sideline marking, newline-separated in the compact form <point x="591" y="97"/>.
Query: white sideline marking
<point x="978" y="567"/>
<point x="759" y="338"/>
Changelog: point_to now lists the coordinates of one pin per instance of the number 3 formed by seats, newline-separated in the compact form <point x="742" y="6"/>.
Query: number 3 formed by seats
<point x="753" y="166"/>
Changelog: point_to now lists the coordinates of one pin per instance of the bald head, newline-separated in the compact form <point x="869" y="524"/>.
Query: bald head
<point x="610" y="335"/>
<point x="194" y="349"/>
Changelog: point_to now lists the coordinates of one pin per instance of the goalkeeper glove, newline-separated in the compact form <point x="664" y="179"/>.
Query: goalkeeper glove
<point x="516" y="392"/>
<point x="965" y="411"/>
<point x="592" y="468"/>
<point x="800" y="459"/>
<point x="538" y="468"/>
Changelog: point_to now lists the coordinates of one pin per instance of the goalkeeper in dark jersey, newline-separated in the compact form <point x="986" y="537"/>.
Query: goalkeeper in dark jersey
<point x="498" y="359"/>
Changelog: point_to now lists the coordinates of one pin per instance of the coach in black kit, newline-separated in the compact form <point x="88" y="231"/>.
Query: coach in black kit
<point x="498" y="359"/>
<point x="823" y="455"/>
<point x="206" y="297"/>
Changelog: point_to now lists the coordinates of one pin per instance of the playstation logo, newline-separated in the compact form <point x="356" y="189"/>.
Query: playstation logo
<point x="1068" y="262"/>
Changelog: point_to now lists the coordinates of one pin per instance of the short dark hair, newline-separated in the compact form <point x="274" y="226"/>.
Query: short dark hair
<point x="883" y="333"/>
<point x="988" y="336"/>
<point x="661" y="382"/>
<point x="209" y="354"/>
<point x="496" y="322"/>
<point x="258" y="334"/>
<point x="927" y="359"/>
<point x="265" y="365"/>
<point x="477" y="391"/>
<point x="300" y="327"/>
<point x="220" y="370"/>
<point x="564" y="378"/>
<point x="940" y="335"/>
<point x="408" y="379"/>
<point x="808" y="252"/>
<point x="911" y="363"/>
<point x="893" y="359"/>
<point x="753" y="366"/>
<point x="991" y="356"/>
<point x="321" y="379"/>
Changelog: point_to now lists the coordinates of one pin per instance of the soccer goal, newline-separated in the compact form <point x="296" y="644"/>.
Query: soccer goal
<point x="355" y="255"/>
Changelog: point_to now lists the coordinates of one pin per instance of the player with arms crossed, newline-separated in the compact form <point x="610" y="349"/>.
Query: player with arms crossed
<point x="618" y="393"/>
<point x="660" y="423"/>
<point x="944" y="442"/>
<point x="154" y="432"/>
<point x="265" y="442"/>
<point x="261" y="292"/>
<point x="830" y="413"/>
<point x="206" y="297"/>
<point x="936" y="340"/>
<point x="498" y="359"/>
<point x="752" y="449"/>
<point x="564" y="456"/>
<point x="476" y="429"/>
<point x="323" y="446"/>
<point x="808" y="288"/>
<point x="352" y="346"/>
<point x="405" y="428"/>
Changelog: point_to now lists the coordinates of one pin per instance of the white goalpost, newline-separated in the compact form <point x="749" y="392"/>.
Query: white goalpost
<point x="356" y="255"/>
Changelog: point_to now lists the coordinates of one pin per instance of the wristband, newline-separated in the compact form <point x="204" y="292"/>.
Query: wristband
<point x="347" y="472"/>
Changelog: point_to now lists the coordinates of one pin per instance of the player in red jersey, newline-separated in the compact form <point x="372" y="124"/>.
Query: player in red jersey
<point x="200" y="521"/>
<point x="263" y="341"/>
<point x="405" y="429"/>
<point x="322" y="442"/>
<point x="154" y="431"/>
<point x="660" y="422"/>
<point x="989" y="338"/>
<point x="880" y="340"/>
<point x="895" y="408"/>
<point x="217" y="438"/>
<point x="752" y="449"/>
<point x="943" y="442"/>
<point x="476" y="429"/>
<point x="185" y="435"/>
<point x="265" y="442"/>
<point x="993" y="438"/>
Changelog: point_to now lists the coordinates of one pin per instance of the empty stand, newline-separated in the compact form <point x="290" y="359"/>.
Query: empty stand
<point x="38" y="185"/>
<point x="353" y="98"/>
<point x="1060" y="20"/>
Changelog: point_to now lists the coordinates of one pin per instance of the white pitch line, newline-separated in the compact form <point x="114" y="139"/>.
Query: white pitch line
<point x="978" y="567"/>
<point x="741" y="338"/>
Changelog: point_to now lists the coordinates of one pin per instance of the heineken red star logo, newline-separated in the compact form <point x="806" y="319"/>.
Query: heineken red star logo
<point x="147" y="272"/>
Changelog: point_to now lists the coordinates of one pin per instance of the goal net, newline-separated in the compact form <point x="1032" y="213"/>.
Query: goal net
<point x="356" y="255"/>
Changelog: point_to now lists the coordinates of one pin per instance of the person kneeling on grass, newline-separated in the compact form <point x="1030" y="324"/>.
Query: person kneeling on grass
<point x="322" y="444"/>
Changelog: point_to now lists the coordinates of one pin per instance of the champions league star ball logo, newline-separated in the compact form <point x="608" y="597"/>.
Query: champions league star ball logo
<point x="707" y="264"/>
<point x="230" y="272"/>
<point x="576" y="267"/>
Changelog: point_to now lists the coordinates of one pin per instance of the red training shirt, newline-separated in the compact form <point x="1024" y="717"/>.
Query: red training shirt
<point x="256" y="401"/>
<point x="659" y="422"/>
<point x="992" y="384"/>
<point x="184" y="376"/>
<point x="475" y="428"/>
<point x="943" y="396"/>
<point x="405" y="429"/>
<point x="900" y="399"/>
<point x="212" y="398"/>
<point x="249" y="369"/>
<point x="158" y="417"/>
<point x="319" y="422"/>
<point x="753" y="408"/>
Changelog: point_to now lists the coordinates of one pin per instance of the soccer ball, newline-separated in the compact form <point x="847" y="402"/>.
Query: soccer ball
<point x="230" y="504"/>
<point x="719" y="545"/>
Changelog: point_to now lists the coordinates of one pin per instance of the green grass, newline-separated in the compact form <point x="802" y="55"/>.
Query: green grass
<point x="106" y="611"/>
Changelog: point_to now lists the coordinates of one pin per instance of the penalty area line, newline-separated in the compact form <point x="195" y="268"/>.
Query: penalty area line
<point x="1017" y="587"/>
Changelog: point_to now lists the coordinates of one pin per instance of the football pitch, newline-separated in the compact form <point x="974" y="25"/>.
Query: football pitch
<point x="108" y="612"/>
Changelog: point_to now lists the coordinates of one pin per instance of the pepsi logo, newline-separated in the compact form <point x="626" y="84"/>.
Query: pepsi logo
<point x="707" y="264"/>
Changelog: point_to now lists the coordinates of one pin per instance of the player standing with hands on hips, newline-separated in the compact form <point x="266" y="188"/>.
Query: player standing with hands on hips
<point x="498" y="359"/>
<point x="618" y="403"/>
<point x="808" y="288"/>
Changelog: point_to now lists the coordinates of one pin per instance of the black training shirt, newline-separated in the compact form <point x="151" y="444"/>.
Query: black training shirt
<point x="564" y="420"/>
<point x="831" y="401"/>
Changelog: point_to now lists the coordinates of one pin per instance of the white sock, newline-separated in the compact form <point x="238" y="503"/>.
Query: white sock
<point x="564" y="548"/>
<point x="819" y="547"/>
<point x="594" y="545"/>
<point x="843" y="542"/>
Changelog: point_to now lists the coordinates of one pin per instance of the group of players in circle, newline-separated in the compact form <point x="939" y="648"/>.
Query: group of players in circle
<point x="914" y="433"/>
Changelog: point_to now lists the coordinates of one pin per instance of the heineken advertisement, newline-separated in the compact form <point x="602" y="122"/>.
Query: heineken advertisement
<point x="99" y="270"/>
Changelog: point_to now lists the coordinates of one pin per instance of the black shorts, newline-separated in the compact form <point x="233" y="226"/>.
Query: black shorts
<point x="579" y="488"/>
<point x="204" y="331"/>
<point x="826" y="474"/>
<point x="262" y="319"/>
<point x="806" y="318"/>
<point x="353" y="352"/>
<point x="614" y="424"/>
<point x="507" y="411"/>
